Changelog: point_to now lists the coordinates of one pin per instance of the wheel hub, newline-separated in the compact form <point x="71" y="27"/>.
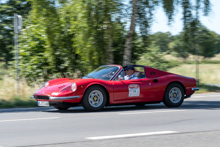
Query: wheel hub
<point x="175" y="95"/>
<point x="96" y="98"/>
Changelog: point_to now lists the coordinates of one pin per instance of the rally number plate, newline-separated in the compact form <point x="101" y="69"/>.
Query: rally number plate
<point x="43" y="103"/>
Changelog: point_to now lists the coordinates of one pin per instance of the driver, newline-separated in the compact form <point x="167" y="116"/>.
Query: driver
<point x="129" y="71"/>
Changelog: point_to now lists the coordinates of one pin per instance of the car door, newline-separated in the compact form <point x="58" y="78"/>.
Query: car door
<point x="120" y="91"/>
<point x="128" y="91"/>
<point x="138" y="90"/>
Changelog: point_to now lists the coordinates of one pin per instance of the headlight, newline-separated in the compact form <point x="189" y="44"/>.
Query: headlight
<point x="55" y="93"/>
<point x="73" y="87"/>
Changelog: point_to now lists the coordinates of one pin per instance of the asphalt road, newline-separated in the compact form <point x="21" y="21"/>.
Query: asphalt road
<point x="195" y="123"/>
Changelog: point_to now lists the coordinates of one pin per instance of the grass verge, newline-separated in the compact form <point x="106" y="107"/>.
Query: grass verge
<point x="8" y="93"/>
<point x="208" y="73"/>
<point x="17" y="103"/>
<point x="203" y="88"/>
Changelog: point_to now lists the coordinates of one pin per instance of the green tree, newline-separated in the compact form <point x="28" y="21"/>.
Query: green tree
<point x="142" y="14"/>
<point x="162" y="40"/>
<point x="7" y="10"/>
<point x="34" y="53"/>
<point x="154" y="58"/>
<point x="102" y="24"/>
<point x="52" y="39"/>
<point x="202" y="40"/>
<point x="178" y="47"/>
<point x="69" y="36"/>
<point x="118" y="42"/>
<point x="208" y="43"/>
<point x="218" y="46"/>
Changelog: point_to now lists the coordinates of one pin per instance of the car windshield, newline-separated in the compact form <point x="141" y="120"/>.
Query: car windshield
<point x="103" y="72"/>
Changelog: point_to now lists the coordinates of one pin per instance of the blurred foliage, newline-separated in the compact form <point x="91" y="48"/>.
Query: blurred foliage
<point x="62" y="37"/>
<point x="218" y="46"/>
<point x="138" y="47"/>
<point x="178" y="47"/>
<point x="208" y="43"/>
<point x="154" y="58"/>
<point x="204" y="61"/>
<point x="142" y="16"/>
<point x="46" y="45"/>
<point x="103" y="26"/>
<point x="7" y="10"/>
<point x="162" y="40"/>
<point x="202" y="42"/>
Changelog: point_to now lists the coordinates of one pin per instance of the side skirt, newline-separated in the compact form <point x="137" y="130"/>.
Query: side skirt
<point x="155" y="102"/>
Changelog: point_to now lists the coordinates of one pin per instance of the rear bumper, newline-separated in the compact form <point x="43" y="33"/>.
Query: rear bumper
<point x="195" y="89"/>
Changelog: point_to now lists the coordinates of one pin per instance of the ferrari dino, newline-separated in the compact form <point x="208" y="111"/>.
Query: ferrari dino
<point x="106" y="86"/>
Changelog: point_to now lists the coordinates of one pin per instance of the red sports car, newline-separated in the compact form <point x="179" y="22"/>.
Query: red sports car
<point x="106" y="86"/>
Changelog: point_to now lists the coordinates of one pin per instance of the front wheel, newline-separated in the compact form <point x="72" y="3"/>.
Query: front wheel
<point x="174" y="95"/>
<point x="95" y="98"/>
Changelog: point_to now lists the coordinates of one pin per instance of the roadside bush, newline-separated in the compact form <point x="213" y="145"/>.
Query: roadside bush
<point x="154" y="58"/>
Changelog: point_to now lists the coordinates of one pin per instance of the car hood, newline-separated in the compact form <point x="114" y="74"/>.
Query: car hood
<point x="64" y="84"/>
<point x="57" y="85"/>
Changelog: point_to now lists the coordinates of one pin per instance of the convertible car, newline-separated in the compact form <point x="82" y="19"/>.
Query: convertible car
<point x="106" y="86"/>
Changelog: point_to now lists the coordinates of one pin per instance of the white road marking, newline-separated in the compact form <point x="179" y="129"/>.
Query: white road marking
<point x="12" y="120"/>
<point x="151" y="112"/>
<point x="131" y="135"/>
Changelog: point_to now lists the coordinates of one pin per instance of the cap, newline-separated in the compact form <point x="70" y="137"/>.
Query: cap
<point x="129" y="67"/>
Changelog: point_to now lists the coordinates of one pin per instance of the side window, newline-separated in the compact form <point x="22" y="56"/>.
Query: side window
<point x="120" y="76"/>
<point x="140" y="72"/>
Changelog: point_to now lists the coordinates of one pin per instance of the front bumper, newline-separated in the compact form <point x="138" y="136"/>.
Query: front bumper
<point x="195" y="89"/>
<point x="64" y="98"/>
<point x="59" y="98"/>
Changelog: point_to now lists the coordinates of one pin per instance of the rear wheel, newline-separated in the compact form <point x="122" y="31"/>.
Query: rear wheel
<point x="94" y="99"/>
<point x="174" y="95"/>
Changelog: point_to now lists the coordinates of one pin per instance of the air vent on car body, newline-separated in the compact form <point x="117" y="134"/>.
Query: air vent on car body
<point x="42" y="97"/>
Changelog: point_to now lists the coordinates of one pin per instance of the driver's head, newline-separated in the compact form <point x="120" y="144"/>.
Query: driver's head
<point x="129" y="70"/>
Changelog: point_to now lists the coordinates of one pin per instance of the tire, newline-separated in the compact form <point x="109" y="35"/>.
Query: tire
<point x="94" y="99"/>
<point x="61" y="107"/>
<point x="174" y="95"/>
